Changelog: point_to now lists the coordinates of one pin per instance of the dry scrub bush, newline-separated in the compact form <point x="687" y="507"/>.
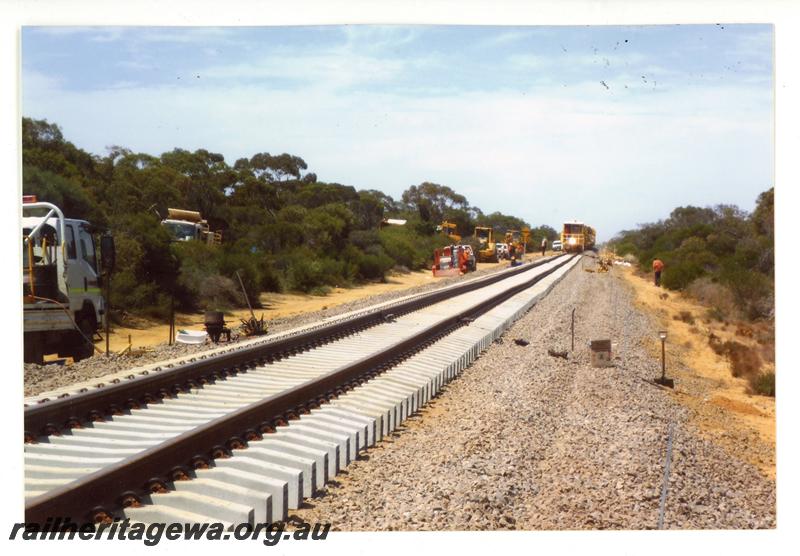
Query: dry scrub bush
<point x="684" y="316"/>
<point x="218" y="292"/>
<point x="745" y="363"/>
<point x="719" y="297"/>
<point x="767" y="353"/>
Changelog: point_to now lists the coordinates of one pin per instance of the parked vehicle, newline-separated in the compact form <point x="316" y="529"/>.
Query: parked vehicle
<point x="556" y="245"/>
<point x="503" y="251"/>
<point x="62" y="303"/>
<point x="189" y="225"/>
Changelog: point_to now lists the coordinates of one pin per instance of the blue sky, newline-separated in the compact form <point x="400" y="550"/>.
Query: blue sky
<point x="611" y="125"/>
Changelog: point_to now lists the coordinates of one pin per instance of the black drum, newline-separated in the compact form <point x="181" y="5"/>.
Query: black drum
<point x="45" y="281"/>
<point x="215" y="325"/>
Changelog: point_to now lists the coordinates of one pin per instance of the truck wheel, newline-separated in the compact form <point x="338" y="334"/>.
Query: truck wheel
<point x="83" y="349"/>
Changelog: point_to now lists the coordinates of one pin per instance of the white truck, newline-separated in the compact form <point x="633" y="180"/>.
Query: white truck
<point x="62" y="302"/>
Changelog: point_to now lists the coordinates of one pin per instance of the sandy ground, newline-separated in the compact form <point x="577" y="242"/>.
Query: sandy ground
<point x="275" y="305"/>
<point x="720" y="404"/>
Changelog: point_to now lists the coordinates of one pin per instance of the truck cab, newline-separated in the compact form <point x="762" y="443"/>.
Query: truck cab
<point x="189" y="225"/>
<point x="62" y="301"/>
<point x="182" y="230"/>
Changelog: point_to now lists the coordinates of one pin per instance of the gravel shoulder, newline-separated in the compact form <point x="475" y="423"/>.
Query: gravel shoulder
<point x="523" y="440"/>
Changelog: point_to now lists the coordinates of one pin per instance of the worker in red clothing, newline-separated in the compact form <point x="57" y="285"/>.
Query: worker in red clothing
<point x="658" y="266"/>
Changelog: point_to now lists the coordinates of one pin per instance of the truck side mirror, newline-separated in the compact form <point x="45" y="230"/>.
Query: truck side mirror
<point x="108" y="253"/>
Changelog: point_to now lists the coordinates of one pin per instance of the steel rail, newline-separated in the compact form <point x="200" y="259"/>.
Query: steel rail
<point x="52" y="416"/>
<point x="102" y="493"/>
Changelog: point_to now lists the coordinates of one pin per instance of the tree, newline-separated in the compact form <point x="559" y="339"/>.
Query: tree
<point x="66" y="193"/>
<point x="501" y="222"/>
<point x="390" y="206"/>
<point x="544" y="231"/>
<point x="282" y="167"/>
<point x="763" y="217"/>
<point x="282" y="226"/>
<point x="431" y="200"/>
<point x="207" y="175"/>
<point x="368" y="210"/>
<point x="684" y="217"/>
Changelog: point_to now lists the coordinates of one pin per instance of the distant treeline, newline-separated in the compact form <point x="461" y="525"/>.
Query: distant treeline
<point x="722" y="255"/>
<point x="282" y="228"/>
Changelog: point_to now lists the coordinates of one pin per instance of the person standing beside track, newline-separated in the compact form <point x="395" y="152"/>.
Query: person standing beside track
<point x="658" y="266"/>
<point x="544" y="245"/>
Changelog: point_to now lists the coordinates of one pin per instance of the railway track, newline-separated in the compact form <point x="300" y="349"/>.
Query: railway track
<point x="246" y="435"/>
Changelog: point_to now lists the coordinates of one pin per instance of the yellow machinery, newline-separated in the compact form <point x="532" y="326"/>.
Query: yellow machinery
<point x="450" y="230"/>
<point x="518" y="240"/>
<point x="186" y="225"/>
<point x="577" y="237"/>
<point x="526" y="235"/>
<point x="487" y="248"/>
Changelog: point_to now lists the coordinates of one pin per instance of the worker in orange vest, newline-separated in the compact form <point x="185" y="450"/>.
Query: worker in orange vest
<point x="658" y="266"/>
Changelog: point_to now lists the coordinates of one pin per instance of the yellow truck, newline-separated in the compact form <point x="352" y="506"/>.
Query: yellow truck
<point x="189" y="225"/>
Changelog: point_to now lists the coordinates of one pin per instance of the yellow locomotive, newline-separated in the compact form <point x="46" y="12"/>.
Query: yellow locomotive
<point x="576" y="237"/>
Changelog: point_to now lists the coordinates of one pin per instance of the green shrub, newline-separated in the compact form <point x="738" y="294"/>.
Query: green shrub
<point x="763" y="383"/>
<point x="752" y="290"/>
<point x="306" y="271"/>
<point x="678" y="274"/>
<point x="374" y="267"/>
<point x="363" y="239"/>
<point x="408" y="248"/>
<point x="272" y="280"/>
<point x="246" y="264"/>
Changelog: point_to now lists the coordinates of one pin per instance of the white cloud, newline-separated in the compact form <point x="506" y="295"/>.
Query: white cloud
<point x="527" y="62"/>
<point x="378" y="37"/>
<point x="41" y="83"/>
<point x="111" y="34"/>
<point x="620" y="156"/>
<point x="513" y="35"/>
<point x="335" y="68"/>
